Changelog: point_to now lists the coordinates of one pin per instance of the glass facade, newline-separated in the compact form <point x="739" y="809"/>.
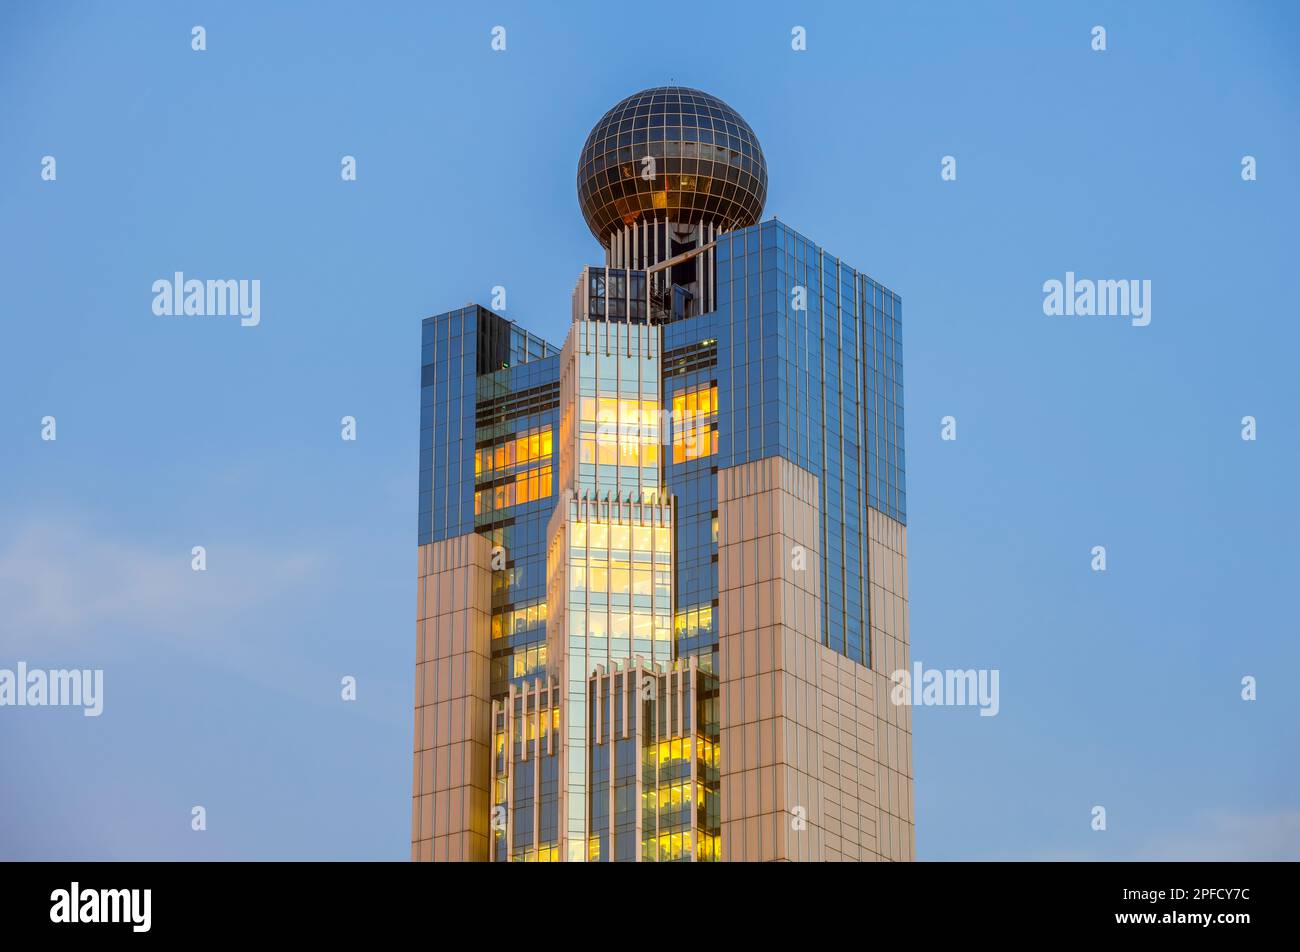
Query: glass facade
<point x="806" y="356"/>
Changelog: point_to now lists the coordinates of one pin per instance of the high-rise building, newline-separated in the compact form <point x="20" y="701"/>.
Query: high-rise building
<point x="663" y="567"/>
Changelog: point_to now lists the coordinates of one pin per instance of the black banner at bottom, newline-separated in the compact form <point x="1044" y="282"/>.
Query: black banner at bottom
<point x="336" y="901"/>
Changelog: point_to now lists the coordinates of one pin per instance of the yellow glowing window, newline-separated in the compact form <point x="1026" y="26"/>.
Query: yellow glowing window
<point x="641" y="538"/>
<point x="532" y="446"/>
<point x="607" y="451"/>
<point x="650" y="454"/>
<point x="589" y="409"/>
<point x="629" y="453"/>
<point x="661" y="539"/>
<point x="694" y="423"/>
<point x="619" y="581"/>
<point x="642" y="582"/>
<point x="607" y="410"/>
<point x="599" y="536"/>
<point x="620" y="537"/>
<point x="579" y="535"/>
<point x="587" y="449"/>
<point x="642" y="626"/>
<point x="695" y="621"/>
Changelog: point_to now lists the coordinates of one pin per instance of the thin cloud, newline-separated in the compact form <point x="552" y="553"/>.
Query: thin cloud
<point x="1221" y="836"/>
<point x="61" y="583"/>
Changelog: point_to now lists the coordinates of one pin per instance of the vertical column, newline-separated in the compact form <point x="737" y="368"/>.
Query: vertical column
<point x="769" y="584"/>
<point x="450" y="799"/>
<point x="895" y="813"/>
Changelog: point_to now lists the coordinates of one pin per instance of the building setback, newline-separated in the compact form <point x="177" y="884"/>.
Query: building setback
<point x="663" y="567"/>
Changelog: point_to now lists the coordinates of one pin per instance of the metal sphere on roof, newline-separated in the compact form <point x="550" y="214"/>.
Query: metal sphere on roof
<point x="671" y="154"/>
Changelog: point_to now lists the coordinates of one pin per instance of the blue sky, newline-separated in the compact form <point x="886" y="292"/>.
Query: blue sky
<point x="1119" y="689"/>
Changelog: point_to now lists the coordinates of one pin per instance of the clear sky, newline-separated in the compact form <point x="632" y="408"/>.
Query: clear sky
<point x="222" y="688"/>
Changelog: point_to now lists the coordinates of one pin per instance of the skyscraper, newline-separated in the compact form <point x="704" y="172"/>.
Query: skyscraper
<point x="663" y="567"/>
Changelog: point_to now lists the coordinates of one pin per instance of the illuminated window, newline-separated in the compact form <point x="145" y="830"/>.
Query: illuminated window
<point x="533" y="446"/>
<point x="519" y="620"/>
<point x="695" y="419"/>
<point x="620" y="537"/>
<point x="619" y="579"/>
<point x="693" y="622"/>
<point x="620" y="624"/>
<point x="529" y="485"/>
<point x="642" y="626"/>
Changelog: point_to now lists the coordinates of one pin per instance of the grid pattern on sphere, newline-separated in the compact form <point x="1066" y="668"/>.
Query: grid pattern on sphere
<point x="708" y="165"/>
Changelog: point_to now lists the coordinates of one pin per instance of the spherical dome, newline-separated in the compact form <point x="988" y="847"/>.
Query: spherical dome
<point x="707" y="164"/>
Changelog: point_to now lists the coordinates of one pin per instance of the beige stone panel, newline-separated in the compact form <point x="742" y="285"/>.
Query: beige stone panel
<point x="452" y="714"/>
